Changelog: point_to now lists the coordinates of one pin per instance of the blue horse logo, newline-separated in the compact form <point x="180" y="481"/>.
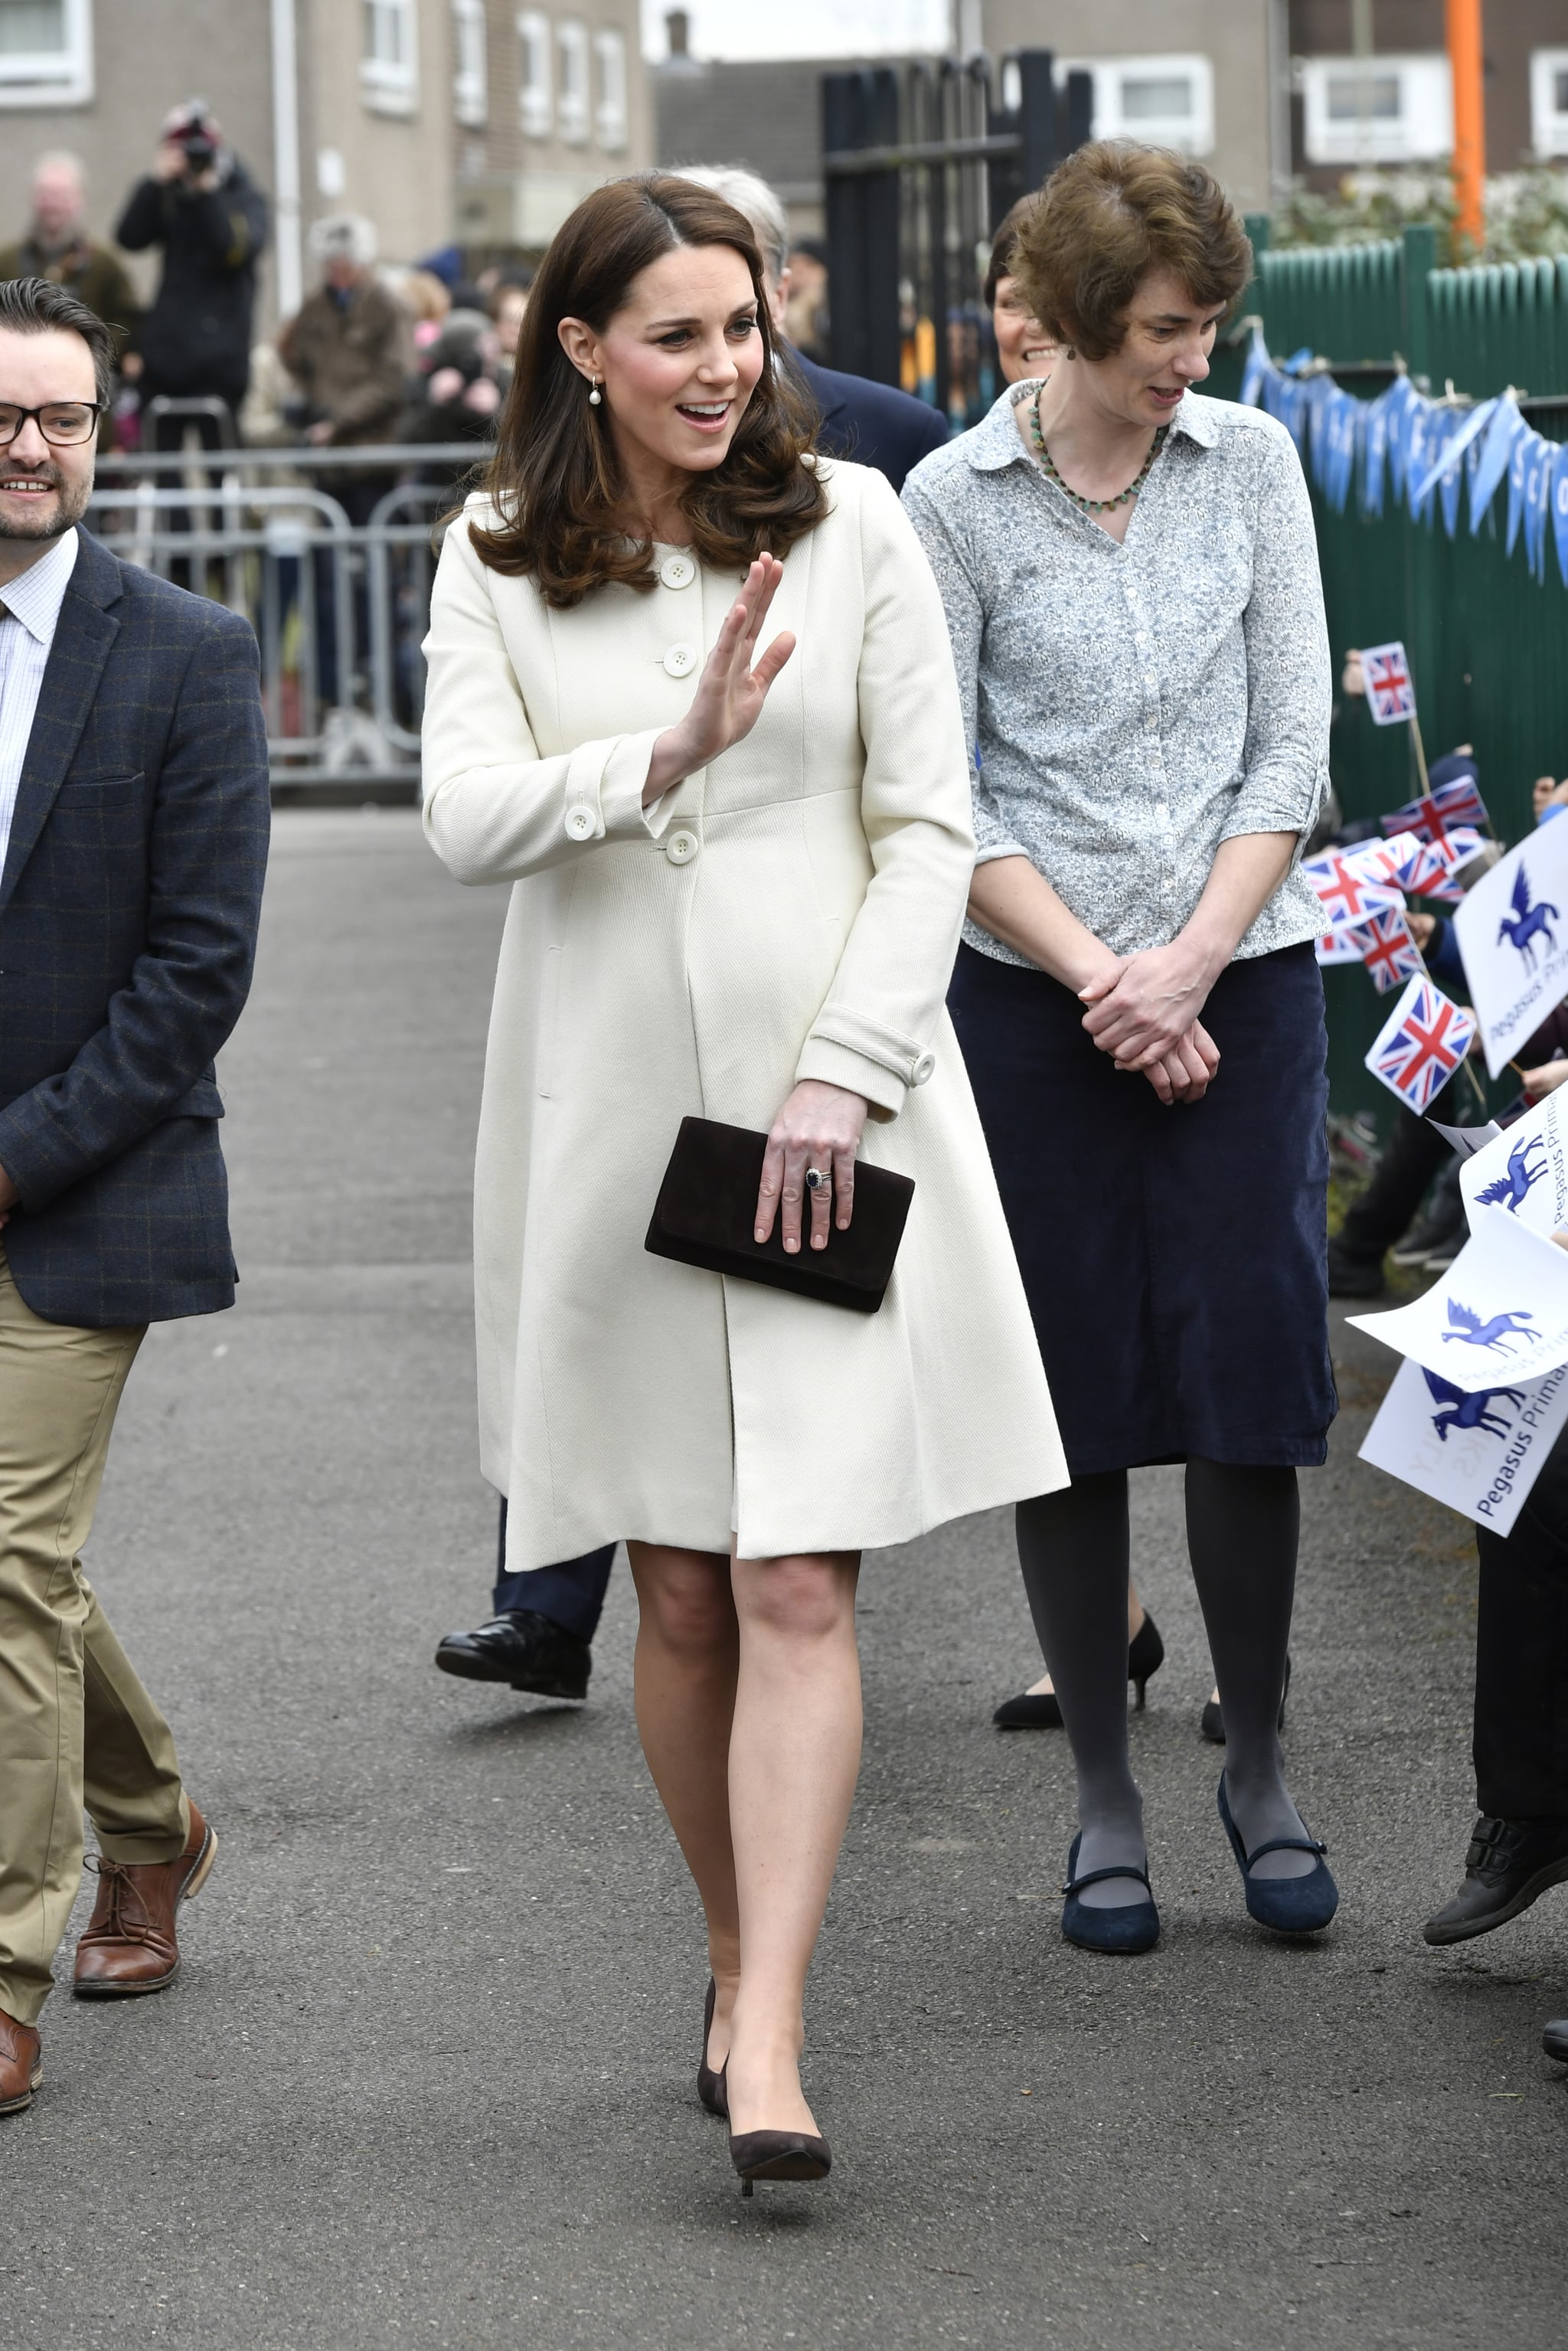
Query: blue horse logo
<point x="1457" y="1410"/>
<point x="1509" y="1191"/>
<point x="1521" y="927"/>
<point x="1467" y="1326"/>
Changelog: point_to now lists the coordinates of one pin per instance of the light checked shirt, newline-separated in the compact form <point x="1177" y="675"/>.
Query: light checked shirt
<point x="32" y="603"/>
<point x="1134" y="705"/>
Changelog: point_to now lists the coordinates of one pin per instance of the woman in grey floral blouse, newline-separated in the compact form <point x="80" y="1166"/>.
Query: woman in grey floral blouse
<point x="1131" y="579"/>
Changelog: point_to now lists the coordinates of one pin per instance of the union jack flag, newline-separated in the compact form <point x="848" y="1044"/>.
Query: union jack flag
<point x="1430" y="872"/>
<point x="1390" y="697"/>
<point x="1422" y="1043"/>
<point x="1339" y="946"/>
<point x="1387" y="949"/>
<point x="1352" y="883"/>
<point x="1435" y="816"/>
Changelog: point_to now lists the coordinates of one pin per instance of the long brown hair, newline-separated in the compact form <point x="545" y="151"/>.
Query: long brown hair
<point x="554" y="478"/>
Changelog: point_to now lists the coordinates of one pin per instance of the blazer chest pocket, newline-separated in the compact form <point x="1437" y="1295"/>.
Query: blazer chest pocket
<point x="87" y="795"/>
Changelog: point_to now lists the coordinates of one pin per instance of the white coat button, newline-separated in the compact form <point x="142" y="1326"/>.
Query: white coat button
<point x="579" y="823"/>
<point x="680" y="661"/>
<point x="682" y="847"/>
<point x="677" y="571"/>
<point x="922" y="1069"/>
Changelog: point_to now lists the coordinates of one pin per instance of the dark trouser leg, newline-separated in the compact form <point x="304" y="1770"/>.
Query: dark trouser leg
<point x="1413" y="1154"/>
<point x="1522" y="1655"/>
<point x="570" y="1594"/>
<point x="1243" y="1525"/>
<point x="1072" y="1549"/>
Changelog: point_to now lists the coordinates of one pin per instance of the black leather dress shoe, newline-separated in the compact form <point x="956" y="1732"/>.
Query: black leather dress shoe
<point x="1510" y="1863"/>
<point x="529" y="1651"/>
<point x="1554" y="2039"/>
<point x="1354" y="1277"/>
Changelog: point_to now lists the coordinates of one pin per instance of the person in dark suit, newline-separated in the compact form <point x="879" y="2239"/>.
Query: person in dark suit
<point x="133" y="824"/>
<point x="871" y="422"/>
<point x="539" y="1635"/>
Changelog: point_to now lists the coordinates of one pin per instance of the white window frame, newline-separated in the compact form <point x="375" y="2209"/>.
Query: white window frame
<point x="536" y="74"/>
<point x="1423" y="131"/>
<point x="574" y="93"/>
<point x="610" y="114"/>
<point x="389" y="85"/>
<point x="61" y="77"/>
<point x="1191" y="134"/>
<point x="470" y="65"/>
<point x="1548" y="120"/>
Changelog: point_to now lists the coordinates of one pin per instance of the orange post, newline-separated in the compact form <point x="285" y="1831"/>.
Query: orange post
<point x="1464" y="29"/>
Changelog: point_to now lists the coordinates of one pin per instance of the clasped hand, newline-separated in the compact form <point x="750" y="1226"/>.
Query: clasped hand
<point x="1142" y="1011"/>
<point x="819" y="1126"/>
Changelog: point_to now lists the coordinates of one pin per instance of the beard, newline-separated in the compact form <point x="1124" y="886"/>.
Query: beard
<point x="56" y="518"/>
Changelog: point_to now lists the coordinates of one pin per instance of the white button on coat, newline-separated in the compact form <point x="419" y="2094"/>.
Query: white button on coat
<point x="681" y="660"/>
<point x="682" y="847"/>
<point x="677" y="571"/>
<point x="923" y="1068"/>
<point x="579" y="823"/>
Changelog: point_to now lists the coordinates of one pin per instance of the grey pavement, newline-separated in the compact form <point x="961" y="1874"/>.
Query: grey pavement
<point x="427" y="2076"/>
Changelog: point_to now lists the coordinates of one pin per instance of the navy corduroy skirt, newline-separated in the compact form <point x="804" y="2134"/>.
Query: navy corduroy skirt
<point x="1173" y="1257"/>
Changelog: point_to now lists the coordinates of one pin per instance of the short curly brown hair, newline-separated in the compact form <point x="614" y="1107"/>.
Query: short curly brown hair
<point x="1108" y="216"/>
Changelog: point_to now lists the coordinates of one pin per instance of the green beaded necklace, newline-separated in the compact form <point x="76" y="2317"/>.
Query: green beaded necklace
<point x="1092" y="506"/>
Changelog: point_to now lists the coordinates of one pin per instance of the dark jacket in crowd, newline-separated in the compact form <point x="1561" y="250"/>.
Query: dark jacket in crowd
<point x="352" y="357"/>
<point x="872" y="424"/>
<point x="196" y="336"/>
<point x="128" y="902"/>
<point x="88" y="271"/>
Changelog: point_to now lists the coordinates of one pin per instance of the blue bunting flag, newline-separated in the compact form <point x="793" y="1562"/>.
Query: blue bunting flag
<point x="1516" y="462"/>
<point x="1538" y="456"/>
<point x="1560" y="506"/>
<point x="1496" y="451"/>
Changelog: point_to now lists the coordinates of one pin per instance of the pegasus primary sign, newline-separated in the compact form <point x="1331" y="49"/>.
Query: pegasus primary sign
<point x="1524" y="1171"/>
<point x="1499" y="1315"/>
<point x="1479" y="1452"/>
<point x="1482" y="1395"/>
<point x="1512" y="931"/>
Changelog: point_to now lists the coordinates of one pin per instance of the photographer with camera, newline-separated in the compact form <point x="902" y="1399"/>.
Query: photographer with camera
<point x="201" y="206"/>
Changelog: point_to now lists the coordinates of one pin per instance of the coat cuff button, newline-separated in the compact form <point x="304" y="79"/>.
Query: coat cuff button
<point x="579" y="823"/>
<point x="922" y="1069"/>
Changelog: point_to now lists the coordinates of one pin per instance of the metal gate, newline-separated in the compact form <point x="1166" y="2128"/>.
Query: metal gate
<point x="921" y="161"/>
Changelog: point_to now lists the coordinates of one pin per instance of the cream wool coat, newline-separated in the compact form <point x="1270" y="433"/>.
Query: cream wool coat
<point x="790" y="912"/>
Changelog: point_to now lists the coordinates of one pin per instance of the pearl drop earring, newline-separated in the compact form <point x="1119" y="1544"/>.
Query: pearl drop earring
<point x="593" y="396"/>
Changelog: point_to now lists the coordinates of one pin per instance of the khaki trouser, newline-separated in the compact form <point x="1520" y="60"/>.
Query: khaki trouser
<point x="76" y="1726"/>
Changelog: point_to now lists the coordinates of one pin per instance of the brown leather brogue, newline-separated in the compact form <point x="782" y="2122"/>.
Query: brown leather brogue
<point x="21" y="2068"/>
<point x="129" y="1945"/>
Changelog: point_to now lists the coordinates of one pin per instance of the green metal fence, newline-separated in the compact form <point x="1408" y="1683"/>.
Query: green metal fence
<point x="1488" y="643"/>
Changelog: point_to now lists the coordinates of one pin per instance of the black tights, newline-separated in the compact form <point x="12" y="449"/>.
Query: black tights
<point x="1242" y="1525"/>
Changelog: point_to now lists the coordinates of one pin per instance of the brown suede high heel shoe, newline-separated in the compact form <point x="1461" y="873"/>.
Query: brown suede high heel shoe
<point x="774" y="2154"/>
<point x="710" y="2085"/>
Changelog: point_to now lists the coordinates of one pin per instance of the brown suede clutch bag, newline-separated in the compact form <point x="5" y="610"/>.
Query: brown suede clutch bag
<point x="706" y="1210"/>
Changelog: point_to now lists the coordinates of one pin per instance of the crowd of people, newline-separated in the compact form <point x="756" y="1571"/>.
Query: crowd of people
<point x="895" y="825"/>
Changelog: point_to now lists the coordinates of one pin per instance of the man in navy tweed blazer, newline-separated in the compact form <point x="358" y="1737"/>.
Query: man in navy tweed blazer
<point x="133" y="825"/>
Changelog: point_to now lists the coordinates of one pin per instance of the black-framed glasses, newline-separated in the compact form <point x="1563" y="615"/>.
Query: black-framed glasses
<point x="64" y="424"/>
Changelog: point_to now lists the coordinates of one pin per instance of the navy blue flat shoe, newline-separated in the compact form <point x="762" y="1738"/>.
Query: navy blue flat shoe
<point x="1291" y="1905"/>
<point x="1128" y="1927"/>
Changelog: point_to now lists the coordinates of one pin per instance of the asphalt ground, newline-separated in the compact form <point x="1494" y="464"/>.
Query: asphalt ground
<point x="427" y="2076"/>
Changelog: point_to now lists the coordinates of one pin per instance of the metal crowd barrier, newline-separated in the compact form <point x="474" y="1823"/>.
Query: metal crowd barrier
<point x="339" y="605"/>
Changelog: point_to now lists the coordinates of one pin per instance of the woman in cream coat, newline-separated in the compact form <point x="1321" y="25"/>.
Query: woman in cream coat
<point x="737" y="884"/>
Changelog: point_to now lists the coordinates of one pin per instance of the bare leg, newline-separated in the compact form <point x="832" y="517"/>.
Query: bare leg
<point x="1046" y="1687"/>
<point x="794" y="1756"/>
<point x="688" y="1651"/>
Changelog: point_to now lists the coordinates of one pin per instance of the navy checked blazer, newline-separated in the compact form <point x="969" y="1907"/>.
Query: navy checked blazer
<point x="129" y="903"/>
